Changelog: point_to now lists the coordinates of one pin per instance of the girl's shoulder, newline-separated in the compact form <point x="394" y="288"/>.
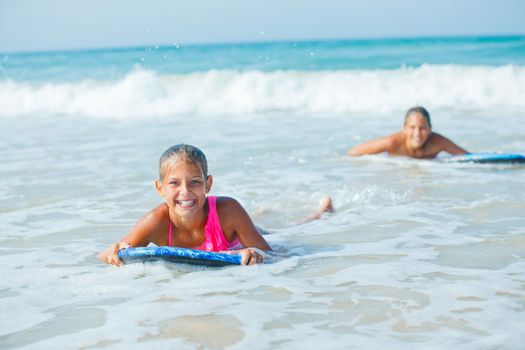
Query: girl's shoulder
<point x="160" y="210"/>
<point x="225" y="203"/>
<point x="157" y="217"/>
<point x="229" y="209"/>
<point x="150" y="228"/>
<point x="233" y="218"/>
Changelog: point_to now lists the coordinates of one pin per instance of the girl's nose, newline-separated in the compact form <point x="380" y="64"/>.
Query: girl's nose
<point x="184" y="187"/>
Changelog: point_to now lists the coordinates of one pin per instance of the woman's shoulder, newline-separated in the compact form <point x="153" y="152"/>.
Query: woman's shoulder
<point x="391" y="139"/>
<point x="442" y="143"/>
<point x="437" y="140"/>
<point x="382" y="144"/>
<point x="394" y="141"/>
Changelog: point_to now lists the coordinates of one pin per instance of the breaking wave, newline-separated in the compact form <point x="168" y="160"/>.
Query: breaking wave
<point x="145" y="93"/>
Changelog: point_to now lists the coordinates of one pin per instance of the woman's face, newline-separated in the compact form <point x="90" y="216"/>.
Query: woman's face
<point x="416" y="130"/>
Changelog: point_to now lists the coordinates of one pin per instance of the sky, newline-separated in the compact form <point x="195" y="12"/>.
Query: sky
<point x="44" y="25"/>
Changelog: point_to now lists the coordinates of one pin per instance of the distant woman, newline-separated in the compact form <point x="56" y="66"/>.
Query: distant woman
<point x="416" y="140"/>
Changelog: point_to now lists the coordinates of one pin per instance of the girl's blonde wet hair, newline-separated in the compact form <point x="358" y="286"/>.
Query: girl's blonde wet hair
<point x="187" y="153"/>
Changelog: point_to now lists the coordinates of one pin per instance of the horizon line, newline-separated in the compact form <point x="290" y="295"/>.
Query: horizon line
<point x="258" y="42"/>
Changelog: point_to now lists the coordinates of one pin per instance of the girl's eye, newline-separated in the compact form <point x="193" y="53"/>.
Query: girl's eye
<point x="195" y="182"/>
<point x="174" y="183"/>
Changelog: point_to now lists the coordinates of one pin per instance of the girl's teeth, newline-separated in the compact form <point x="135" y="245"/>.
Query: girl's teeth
<point x="190" y="202"/>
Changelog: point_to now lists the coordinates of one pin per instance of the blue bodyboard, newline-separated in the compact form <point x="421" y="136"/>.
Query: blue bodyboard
<point x="492" y="158"/>
<point x="178" y="255"/>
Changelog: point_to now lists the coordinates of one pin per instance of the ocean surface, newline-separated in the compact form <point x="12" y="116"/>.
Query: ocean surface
<point x="418" y="254"/>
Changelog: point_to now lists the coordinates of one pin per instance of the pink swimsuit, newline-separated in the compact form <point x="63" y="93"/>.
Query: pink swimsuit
<point x="215" y="240"/>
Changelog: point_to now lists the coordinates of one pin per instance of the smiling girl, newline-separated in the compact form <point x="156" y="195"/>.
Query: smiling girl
<point x="416" y="140"/>
<point x="189" y="218"/>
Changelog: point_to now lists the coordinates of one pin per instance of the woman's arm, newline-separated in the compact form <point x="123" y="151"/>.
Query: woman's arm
<point x="380" y="145"/>
<point x="448" y="146"/>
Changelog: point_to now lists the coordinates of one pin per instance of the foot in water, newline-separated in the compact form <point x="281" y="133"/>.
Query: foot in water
<point x="326" y="206"/>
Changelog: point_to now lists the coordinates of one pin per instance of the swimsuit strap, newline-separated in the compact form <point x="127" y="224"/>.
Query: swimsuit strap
<point x="213" y="225"/>
<point x="170" y="235"/>
<point x="215" y="239"/>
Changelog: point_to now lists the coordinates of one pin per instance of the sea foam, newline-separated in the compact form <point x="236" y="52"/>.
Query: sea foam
<point x="145" y="93"/>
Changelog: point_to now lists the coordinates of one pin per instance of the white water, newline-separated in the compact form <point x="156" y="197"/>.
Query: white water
<point x="419" y="254"/>
<point x="145" y="93"/>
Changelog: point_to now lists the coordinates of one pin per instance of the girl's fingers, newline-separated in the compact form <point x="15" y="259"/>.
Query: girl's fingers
<point x="245" y="257"/>
<point x="102" y="256"/>
<point x="110" y="255"/>
<point x="115" y="260"/>
<point x="251" y="256"/>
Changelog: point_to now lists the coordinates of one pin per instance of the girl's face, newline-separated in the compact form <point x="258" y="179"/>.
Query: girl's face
<point x="416" y="130"/>
<point x="184" y="188"/>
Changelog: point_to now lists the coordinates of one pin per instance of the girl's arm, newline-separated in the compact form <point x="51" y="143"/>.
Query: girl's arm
<point x="380" y="145"/>
<point x="147" y="229"/>
<point x="235" y="221"/>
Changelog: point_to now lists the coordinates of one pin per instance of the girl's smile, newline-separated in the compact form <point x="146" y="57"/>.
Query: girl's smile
<point x="186" y="204"/>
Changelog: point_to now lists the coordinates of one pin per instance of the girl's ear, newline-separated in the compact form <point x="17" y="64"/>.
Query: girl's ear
<point x="209" y="182"/>
<point x="158" y="187"/>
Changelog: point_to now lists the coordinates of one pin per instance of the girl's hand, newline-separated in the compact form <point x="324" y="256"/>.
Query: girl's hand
<point x="110" y="255"/>
<point x="251" y="256"/>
